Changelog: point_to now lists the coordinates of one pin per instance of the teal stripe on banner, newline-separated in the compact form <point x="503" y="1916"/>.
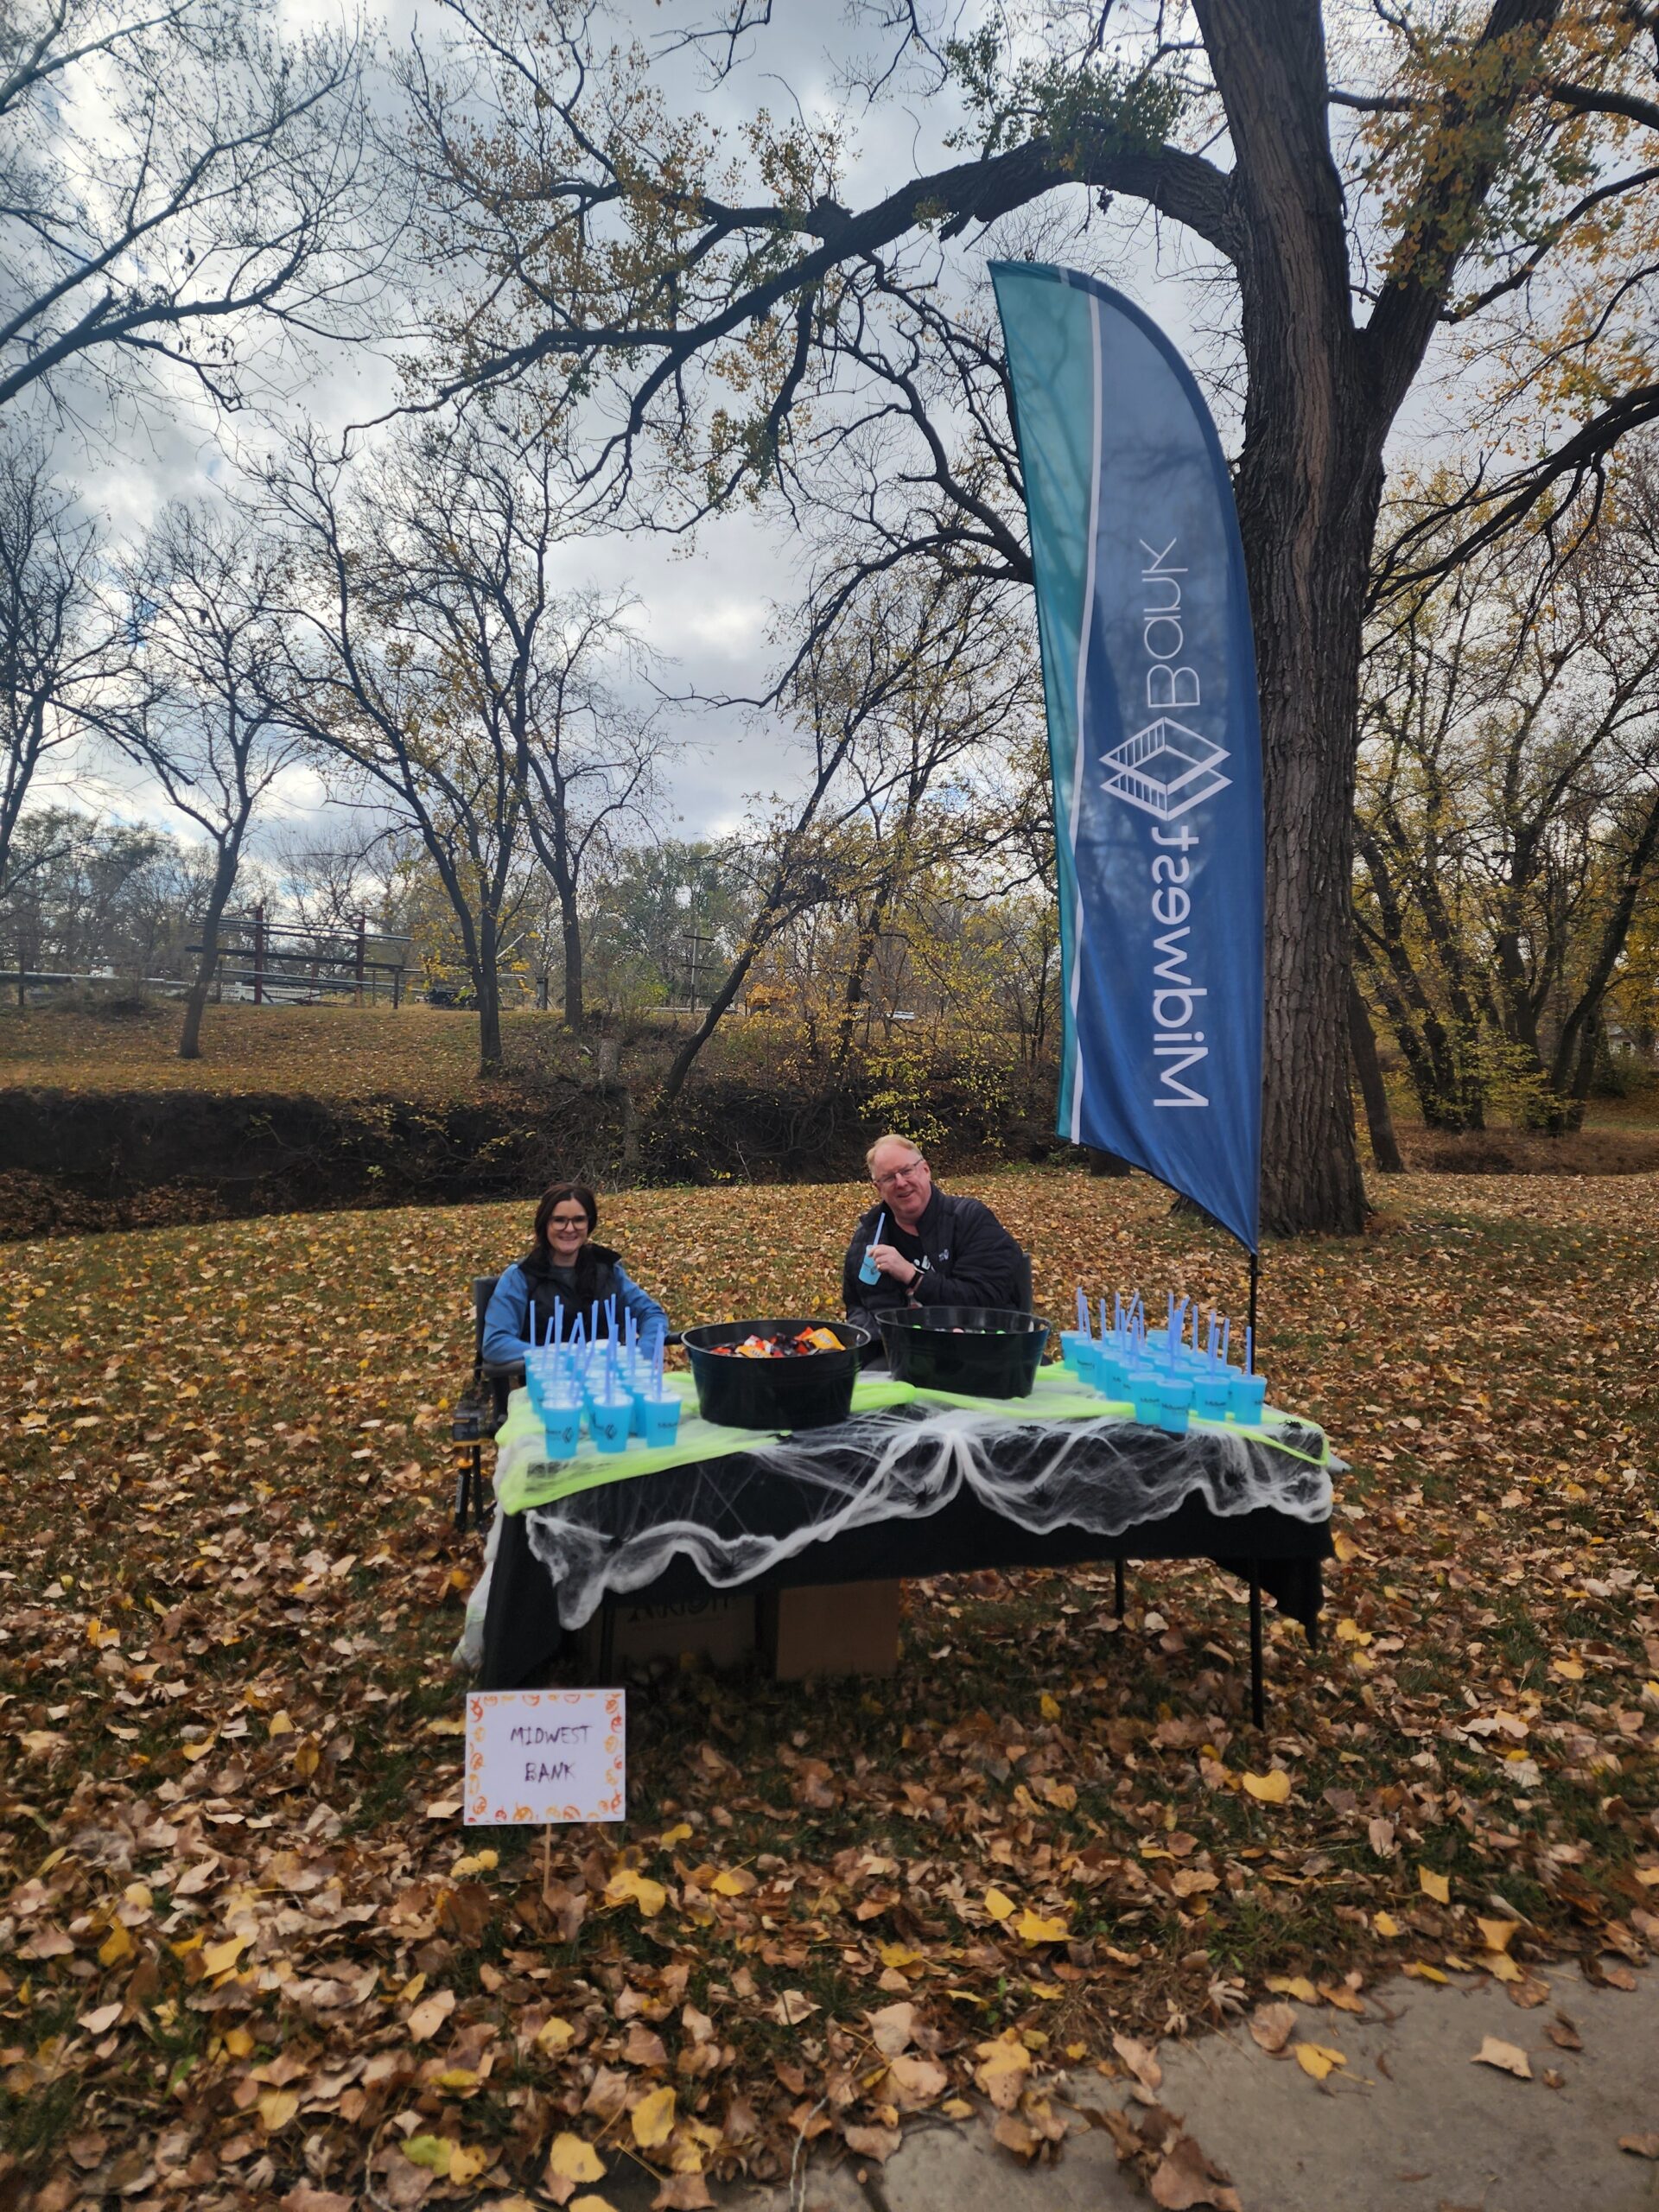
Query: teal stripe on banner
<point x="1053" y="356"/>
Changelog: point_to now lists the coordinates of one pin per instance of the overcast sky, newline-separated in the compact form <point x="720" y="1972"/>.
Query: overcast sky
<point x="705" y="608"/>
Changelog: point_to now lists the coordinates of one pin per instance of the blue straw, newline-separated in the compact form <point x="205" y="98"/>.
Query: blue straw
<point x="1082" y="1312"/>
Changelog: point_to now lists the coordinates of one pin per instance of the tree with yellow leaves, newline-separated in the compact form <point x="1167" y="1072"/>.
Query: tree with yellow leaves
<point x="1431" y="188"/>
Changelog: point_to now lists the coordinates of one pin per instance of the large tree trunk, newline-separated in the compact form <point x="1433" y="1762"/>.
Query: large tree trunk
<point x="487" y="983"/>
<point x="218" y="898"/>
<point x="1308" y="500"/>
<point x="1308" y="486"/>
<point x="1379" y="1120"/>
<point x="571" y="932"/>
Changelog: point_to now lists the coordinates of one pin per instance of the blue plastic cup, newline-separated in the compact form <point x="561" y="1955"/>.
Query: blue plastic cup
<point x="1111" y="1376"/>
<point x="1174" y="1403"/>
<point x="562" y="1426"/>
<point x="1146" y="1386"/>
<point x="1212" y="1396"/>
<point x="661" y="1418"/>
<point x="1070" y="1340"/>
<point x="607" y="1423"/>
<point x="1247" y="1395"/>
<point x="1085" y="1363"/>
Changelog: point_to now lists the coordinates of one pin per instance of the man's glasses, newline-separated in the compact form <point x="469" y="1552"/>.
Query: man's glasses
<point x="898" y="1175"/>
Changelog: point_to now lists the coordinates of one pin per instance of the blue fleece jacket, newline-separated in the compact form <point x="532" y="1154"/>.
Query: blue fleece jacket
<point x="507" y="1319"/>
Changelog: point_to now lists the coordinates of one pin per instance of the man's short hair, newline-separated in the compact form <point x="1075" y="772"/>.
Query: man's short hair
<point x="891" y="1137"/>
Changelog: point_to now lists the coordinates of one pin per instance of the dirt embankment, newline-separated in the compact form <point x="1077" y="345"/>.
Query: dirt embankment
<point x="71" y="1161"/>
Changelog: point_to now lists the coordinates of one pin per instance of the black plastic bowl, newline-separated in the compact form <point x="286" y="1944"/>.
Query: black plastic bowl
<point x="812" y="1391"/>
<point x="980" y="1352"/>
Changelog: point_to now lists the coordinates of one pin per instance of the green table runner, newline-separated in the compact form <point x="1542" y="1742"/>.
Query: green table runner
<point x="525" y="1477"/>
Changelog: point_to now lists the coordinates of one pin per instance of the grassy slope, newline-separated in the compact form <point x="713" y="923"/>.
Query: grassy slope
<point x="337" y="1052"/>
<point x="231" y="1597"/>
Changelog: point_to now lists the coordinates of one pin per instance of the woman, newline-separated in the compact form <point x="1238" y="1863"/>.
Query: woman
<point x="565" y="1276"/>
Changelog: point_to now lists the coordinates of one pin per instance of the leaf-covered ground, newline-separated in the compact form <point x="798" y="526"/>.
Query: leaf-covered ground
<point x="416" y="1053"/>
<point x="244" y="1962"/>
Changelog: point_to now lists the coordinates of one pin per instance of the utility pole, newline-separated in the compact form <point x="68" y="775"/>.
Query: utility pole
<point x="694" y="949"/>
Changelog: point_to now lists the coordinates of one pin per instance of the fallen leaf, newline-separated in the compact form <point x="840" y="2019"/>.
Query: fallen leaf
<point x="997" y="1904"/>
<point x="877" y="2143"/>
<point x="1270" y="1789"/>
<point x="892" y="2028"/>
<point x="571" y="2159"/>
<point x="653" y="2119"/>
<point x="1317" y="2059"/>
<point x="1273" y="2025"/>
<point x="1507" y="2058"/>
<point x="1013" y="2134"/>
<point x="429" y="2015"/>
<point x="1294" y="1985"/>
<point x="628" y="1886"/>
<point x="1031" y="1928"/>
<point x="1002" y="2071"/>
<point x="916" y="2080"/>
<point x="1435" y="1885"/>
<point x="1142" y="2061"/>
<point x="1187" y="2179"/>
<point x="219" y="1958"/>
<point x="1640" y="2146"/>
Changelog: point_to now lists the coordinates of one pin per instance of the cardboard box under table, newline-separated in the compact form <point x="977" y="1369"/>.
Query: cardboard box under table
<point x="796" y="1545"/>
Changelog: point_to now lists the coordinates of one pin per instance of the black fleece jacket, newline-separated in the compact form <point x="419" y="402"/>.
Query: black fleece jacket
<point x="966" y="1256"/>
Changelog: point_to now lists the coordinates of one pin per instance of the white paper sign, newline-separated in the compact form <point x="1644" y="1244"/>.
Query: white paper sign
<point x="535" y="1757"/>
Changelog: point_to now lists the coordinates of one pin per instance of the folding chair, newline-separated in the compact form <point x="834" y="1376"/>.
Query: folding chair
<point x="479" y="1411"/>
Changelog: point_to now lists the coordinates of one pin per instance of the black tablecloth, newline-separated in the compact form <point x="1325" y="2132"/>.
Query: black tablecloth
<point x="523" y="1637"/>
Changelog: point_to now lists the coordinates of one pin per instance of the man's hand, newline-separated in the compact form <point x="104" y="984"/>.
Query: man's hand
<point x="890" y="1261"/>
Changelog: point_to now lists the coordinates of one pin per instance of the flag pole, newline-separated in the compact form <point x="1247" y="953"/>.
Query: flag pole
<point x="1255" y="1278"/>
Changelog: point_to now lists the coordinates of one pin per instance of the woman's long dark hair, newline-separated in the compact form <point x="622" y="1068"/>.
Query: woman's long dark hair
<point x="541" y="1252"/>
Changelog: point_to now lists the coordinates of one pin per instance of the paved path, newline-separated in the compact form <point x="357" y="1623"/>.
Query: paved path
<point x="1408" y="2125"/>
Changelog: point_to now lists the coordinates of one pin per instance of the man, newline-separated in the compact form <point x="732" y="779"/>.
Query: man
<point x="934" y="1249"/>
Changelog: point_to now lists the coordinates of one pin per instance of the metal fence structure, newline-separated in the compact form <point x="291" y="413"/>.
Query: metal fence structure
<point x="317" y="963"/>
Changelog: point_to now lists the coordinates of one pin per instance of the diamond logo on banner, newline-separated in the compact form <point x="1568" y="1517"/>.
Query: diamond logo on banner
<point x="1164" y="769"/>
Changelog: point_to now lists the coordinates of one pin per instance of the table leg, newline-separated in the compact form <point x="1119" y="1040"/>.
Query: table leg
<point x="1258" y="1695"/>
<point x="469" y="1491"/>
<point x="1117" y="1587"/>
